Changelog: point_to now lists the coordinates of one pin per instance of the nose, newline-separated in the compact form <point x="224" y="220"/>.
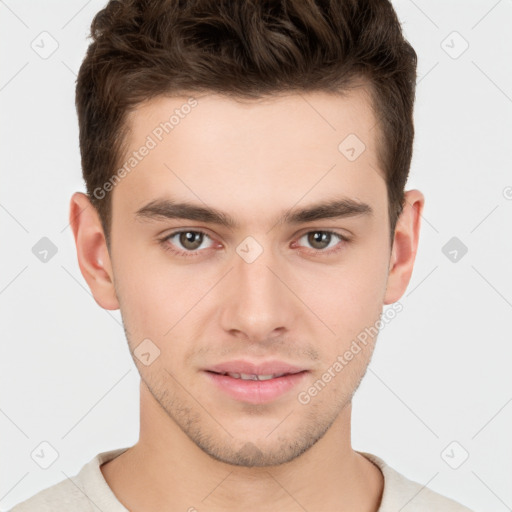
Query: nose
<point x="257" y="302"/>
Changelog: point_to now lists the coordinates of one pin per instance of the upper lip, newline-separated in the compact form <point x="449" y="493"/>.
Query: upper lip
<point x="249" y="368"/>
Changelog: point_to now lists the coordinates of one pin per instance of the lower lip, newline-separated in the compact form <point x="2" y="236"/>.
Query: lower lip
<point x="256" y="391"/>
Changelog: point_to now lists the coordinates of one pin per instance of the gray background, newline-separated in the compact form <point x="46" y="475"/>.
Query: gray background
<point x="438" y="389"/>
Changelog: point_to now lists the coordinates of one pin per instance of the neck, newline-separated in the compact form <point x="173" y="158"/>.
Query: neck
<point x="165" y="470"/>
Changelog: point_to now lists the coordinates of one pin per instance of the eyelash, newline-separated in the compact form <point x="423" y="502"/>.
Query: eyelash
<point x="316" y="252"/>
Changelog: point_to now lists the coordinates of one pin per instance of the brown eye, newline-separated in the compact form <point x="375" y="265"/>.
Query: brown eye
<point x="324" y="241"/>
<point x="319" y="239"/>
<point x="186" y="242"/>
<point x="191" y="240"/>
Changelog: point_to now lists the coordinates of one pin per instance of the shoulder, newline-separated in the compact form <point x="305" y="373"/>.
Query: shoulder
<point x="400" y="492"/>
<point x="59" y="497"/>
<point x="87" y="491"/>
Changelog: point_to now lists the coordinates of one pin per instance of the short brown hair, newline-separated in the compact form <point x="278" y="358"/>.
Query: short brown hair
<point x="141" y="49"/>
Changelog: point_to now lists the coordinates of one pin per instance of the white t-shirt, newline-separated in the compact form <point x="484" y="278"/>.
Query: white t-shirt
<point x="89" y="492"/>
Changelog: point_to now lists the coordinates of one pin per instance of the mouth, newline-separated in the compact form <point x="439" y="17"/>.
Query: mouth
<point x="255" y="388"/>
<point x="253" y="376"/>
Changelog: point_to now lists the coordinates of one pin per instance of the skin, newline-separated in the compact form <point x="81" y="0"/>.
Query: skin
<point x="198" y="448"/>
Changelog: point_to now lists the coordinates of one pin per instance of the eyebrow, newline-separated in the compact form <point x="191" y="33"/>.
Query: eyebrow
<point x="332" y="209"/>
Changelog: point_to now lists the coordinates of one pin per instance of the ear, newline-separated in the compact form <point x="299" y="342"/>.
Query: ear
<point x="405" y="246"/>
<point x="92" y="251"/>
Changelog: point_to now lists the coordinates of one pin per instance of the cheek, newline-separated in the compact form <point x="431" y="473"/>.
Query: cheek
<point x="158" y="300"/>
<point x="348" y="298"/>
<point x="154" y="302"/>
<point x="140" y="289"/>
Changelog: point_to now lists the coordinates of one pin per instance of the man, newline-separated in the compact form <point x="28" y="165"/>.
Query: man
<point x="245" y="165"/>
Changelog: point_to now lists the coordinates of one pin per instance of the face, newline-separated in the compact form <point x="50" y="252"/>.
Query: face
<point x="270" y="285"/>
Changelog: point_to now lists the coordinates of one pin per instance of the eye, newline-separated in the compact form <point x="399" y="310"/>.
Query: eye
<point x="324" y="242"/>
<point x="189" y="240"/>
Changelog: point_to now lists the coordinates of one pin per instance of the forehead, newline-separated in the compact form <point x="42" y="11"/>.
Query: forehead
<point x="247" y="156"/>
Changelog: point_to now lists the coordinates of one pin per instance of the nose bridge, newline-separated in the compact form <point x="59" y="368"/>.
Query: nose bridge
<point x="258" y="303"/>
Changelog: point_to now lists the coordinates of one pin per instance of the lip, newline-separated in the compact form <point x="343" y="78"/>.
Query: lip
<point x="256" y="391"/>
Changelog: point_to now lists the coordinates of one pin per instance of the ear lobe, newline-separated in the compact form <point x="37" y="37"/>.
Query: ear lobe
<point x="405" y="246"/>
<point x="92" y="252"/>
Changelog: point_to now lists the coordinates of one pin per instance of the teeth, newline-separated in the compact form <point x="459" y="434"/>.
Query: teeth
<point x="247" y="376"/>
<point x="252" y="376"/>
<point x="265" y="377"/>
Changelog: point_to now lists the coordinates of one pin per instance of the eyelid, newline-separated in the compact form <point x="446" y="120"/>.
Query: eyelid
<point x="344" y="239"/>
<point x="164" y="241"/>
<point x="334" y="231"/>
